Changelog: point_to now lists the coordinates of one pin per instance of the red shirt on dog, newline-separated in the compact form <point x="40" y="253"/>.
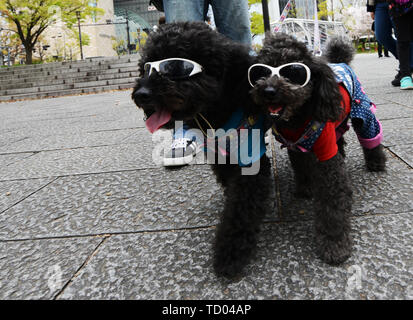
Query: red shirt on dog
<point x="325" y="146"/>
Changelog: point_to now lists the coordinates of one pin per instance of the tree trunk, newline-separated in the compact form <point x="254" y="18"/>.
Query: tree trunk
<point x="29" y="54"/>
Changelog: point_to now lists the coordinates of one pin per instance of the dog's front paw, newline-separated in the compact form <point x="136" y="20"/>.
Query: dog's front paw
<point x="334" y="250"/>
<point x="228" y="268"/>
<point x="375" y="159"/>
<point x="230" y="258"/>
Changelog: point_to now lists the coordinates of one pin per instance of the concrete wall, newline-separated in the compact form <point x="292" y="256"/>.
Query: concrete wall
<point x="100" y="36"/>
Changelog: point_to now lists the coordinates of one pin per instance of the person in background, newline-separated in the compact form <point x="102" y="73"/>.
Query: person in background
<point x="402" y="14"/>
<point x="161" y="21"/>
<point x="232" y="19"/>
<point x="379" y="10"/>
<point x="380" y="47"/>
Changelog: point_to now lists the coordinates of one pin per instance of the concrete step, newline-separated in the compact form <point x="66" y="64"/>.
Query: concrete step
<point x="44" y="73"/>
<point x="33" y="82"/>
<point x="96" y="75"/>
<point x="67" y="69"/>
<point x="40" y="95"/>
<point x="69" y="64"/>
<point x="124" y="67"/>
<point x="64" y="84"/>
<point x="67" y="78"/>
<point x="54" y="87"/>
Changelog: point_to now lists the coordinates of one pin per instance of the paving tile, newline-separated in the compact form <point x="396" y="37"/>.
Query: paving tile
<point x="405" y="153"/>
<point x="68" y="141"/>
<point x="389" y="111"/>
<point x="177" y="265"/>
<point x="40" y="269"/>
<point x="83" y="160"/>
<point x="12" y="192"/>
<point x="397" y="132"/>
<point x="8" y="159"/>
<point x="132" y="201"/>
<point x="400" y="97"/>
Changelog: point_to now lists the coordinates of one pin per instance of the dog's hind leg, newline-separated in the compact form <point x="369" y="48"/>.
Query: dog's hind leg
<point x="375" y="158"/>
<point x="340" y="144"/>
<point x="332" y="202"/>
<point x="302" y="164"/>
<point x="245" y="207"/>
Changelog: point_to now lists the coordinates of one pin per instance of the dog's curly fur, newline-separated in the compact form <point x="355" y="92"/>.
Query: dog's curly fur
<point x="216" y="92"/>
<point x="327" y="181"/>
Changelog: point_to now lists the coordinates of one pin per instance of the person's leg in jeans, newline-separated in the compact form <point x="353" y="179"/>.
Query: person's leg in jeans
<point x="183" y="10"/>
<point x="379" y="49"/>
<point x="183" y="149"/>
<point x="383" y="28"/>
<point x="386" y="52"/>
<point x="232" y="19"/>
<point x="383" y="33"/>
<point x="404" y="33"/>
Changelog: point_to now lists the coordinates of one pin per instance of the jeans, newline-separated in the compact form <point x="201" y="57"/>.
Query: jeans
<point x="383" y="30"/>
<point x="231" y="16"/>
<point x="380" y="50"/>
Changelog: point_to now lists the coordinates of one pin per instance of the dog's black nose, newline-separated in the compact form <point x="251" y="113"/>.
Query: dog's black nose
<point x="270" y="92"/>
<point x="142" y="94"/>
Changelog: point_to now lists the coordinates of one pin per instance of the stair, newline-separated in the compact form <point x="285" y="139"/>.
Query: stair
<point x="68" y="78"/>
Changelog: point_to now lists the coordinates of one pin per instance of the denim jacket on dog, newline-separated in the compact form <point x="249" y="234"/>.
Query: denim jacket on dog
<point x="361" y="107"/>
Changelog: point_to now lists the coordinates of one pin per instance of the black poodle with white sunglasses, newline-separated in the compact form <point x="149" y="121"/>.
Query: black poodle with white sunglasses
<point x="191" y="73"/>
<point x="309" y="103"/>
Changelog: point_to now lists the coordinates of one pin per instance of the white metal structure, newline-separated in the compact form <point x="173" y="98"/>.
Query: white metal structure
<point x="303" y="30"/>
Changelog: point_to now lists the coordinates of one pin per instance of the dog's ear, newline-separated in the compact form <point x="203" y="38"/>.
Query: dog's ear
<point x="326" y="97"/>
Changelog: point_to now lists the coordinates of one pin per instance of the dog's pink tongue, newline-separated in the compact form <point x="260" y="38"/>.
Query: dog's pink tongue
<point x="157" y="120"/>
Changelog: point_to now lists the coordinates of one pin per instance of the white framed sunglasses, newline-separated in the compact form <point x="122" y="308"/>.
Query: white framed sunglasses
<point x="173" y="68"/>
<point x="295" y="72"/>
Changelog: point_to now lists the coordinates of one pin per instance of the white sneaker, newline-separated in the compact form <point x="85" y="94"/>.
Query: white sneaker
<point x="182" y="152"/>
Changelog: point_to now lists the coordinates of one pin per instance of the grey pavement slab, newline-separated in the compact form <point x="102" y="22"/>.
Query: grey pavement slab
<point x="404" y="98"/>
<point x="8" y="159"/>
<point x="84" y="116"/>
<point x="68" y="141"/>
<point x="12" y="192"/>
<point x="371" y="69"/>
<point x="144" y="200"/>
<point x="405" y="153"/>
<point x="389" y="111"/>
<point x="397" y="132"/>
<point x="40" y="269"/>
<point x="177" y="265"/>
<point x="84" y="160"/>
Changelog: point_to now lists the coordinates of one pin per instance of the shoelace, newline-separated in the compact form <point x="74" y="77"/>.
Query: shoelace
<point x="207" y="122"/>
<point x="180" y="143"/>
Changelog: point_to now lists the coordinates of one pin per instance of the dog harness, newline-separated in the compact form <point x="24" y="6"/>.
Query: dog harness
<point x="246" y="132"/>
<point x="321" y="138"/>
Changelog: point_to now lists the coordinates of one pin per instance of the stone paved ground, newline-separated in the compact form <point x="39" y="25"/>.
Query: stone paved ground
<point x="85" y="213"/>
